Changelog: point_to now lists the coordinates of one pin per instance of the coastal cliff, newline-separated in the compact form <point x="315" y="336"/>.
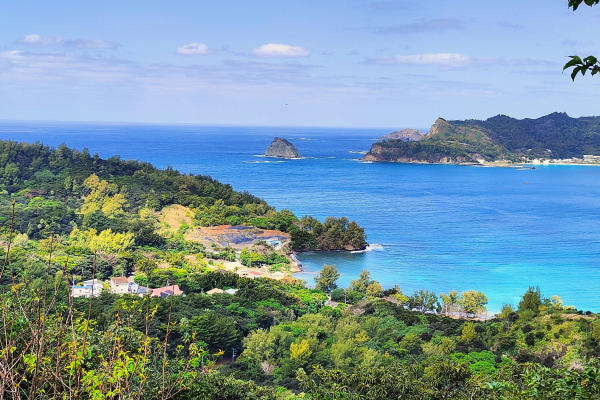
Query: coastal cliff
<point x="409" y="135"/>
<point x="498" y="139"/>
<point x="282" y="148"/>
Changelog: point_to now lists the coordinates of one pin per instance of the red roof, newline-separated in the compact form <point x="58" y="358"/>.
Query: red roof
<point x="254" y="273"/>
<point x="121" y="280"/>
<point x="166" y="291"/>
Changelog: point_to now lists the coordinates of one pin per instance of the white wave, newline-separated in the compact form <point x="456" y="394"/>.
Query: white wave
<point x="370" y="247"/>
<point x="264" y="162"/>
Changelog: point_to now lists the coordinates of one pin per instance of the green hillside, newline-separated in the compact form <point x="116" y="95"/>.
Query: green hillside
<point x="67" y="218"/>
<point x="554" y="136"/>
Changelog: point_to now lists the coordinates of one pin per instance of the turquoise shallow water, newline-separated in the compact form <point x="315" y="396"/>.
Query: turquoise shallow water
<point x="436" y="227"/>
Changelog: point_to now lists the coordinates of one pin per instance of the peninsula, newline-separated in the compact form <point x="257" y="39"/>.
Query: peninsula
<point x="501" y="139"/>
<point x="282" y="148"/>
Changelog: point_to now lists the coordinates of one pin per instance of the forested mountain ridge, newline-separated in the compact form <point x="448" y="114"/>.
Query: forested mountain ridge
<point x="554" y="136"/>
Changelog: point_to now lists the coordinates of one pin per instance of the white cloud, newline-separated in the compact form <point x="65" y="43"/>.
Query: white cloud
<point x="35" y="40"/>
<point x="91" y="44"/>
<point x="273" y="50"/>
<point x="440" y="59"/>
<point x="451" y="60"/>
<point x="194" y="49"/>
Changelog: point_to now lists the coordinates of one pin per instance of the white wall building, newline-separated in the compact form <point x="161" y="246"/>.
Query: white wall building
<point x="119" y="285"/>
<point x="89" y="288"/>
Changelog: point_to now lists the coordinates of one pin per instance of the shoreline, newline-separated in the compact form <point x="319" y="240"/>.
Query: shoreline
<point x="297" y="265"/>
<point x="488" y="164"/>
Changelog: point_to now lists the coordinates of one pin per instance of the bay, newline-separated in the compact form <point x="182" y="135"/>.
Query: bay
<point x="435" y="227"/>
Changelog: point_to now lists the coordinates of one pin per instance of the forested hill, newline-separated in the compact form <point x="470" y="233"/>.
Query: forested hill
<point x="60" y="189"/>
<point x="554" y="136"/>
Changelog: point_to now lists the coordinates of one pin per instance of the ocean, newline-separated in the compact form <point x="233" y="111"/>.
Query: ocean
<point x="434" y="227"/>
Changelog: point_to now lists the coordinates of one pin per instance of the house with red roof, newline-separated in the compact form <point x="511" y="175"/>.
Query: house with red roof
<point x="164" y="292"/>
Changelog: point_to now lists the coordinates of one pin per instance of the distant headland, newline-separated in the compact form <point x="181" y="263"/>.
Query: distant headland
<point x="500" y="140"/>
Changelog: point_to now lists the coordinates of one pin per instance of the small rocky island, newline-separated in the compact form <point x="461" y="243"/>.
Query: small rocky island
<point x="282" y="148"/>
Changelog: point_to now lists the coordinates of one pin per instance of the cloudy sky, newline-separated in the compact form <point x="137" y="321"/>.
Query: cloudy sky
<point x="305" y="63"/>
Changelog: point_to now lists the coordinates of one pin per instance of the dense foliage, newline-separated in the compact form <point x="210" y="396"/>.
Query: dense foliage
<point x="58" y="190"/>
<point x="555" y="136"/>
<point x="78" y="217"/>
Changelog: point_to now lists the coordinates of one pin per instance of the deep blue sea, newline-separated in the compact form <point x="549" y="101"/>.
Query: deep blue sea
<point x="436" y="227"/>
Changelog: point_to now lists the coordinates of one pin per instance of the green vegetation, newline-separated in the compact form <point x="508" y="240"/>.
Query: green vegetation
<point x="78" y="217"/>
<point x="582" y="65"/>
<point x="555" y="136"/>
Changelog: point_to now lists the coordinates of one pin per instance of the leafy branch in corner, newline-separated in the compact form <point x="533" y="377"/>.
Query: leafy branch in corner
<point x="582" y="65"/>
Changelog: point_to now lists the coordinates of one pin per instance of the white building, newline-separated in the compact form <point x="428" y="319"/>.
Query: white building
<point x="119" y="285"/>
<point x="89" y="288"/>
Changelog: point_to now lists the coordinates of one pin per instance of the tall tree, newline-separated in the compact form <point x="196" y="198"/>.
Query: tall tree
<point x="532" y="300"/>
<point x="362" y="283"/>
<point x="326" y="280"/>
<point x="423" y="300"/>
<point x="473" y="301"/>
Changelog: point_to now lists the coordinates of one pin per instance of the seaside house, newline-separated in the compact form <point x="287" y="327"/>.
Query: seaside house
<point x="89" y="288"/>
<point x="119" y="285"/>
<point x="243" y="273"/>
<point x="276" y="275"/>
<point x="164" y="292"/>
<point x="215" y="290"/>
<point x="133" y="287"/>
<point x="254" y="274"/>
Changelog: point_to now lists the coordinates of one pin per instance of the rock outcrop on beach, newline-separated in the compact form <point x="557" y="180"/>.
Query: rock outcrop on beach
<point x="409" y="135"/>
<point x="282" y="148"/>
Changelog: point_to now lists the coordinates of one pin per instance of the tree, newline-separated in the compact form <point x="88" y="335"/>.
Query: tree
<point x="532" y="300"/>
<point x="423" y="300"/>
<point x="374" y="290"/>
<point x="582" y="65"/>
<point x="473" y="301"/>
<point x="218" y="332"/>
<point x="468" y="333"/>
<point x="363" y="281"/>
<point x="450" y="301"/>
<point x="146" y="265"/>
<point x="326" y="280"/>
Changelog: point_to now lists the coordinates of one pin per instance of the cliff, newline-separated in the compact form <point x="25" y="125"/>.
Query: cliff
<point x="554" y="136"/>
<point x="282" y="148"/>
<point x="409" y="135"/>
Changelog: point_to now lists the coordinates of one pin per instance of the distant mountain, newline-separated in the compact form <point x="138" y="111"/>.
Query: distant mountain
<point x="408" y="135"/>
<point x="554" y="136"/>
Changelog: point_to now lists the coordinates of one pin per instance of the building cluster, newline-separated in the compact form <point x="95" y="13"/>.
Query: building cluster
<point x="122" y="285"/>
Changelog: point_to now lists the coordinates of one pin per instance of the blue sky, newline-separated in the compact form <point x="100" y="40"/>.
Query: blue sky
<point x="348" y="63"/>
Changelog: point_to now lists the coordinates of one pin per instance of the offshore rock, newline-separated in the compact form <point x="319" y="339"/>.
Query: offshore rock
<point x="282" y="148"/>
